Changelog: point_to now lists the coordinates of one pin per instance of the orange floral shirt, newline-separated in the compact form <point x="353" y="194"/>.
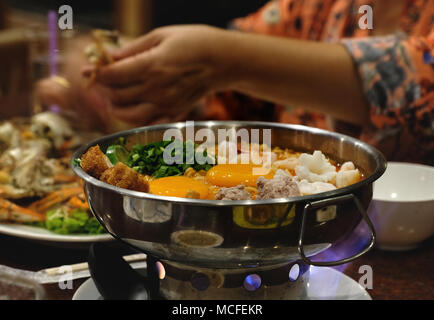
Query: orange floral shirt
<point x="396" y="72"/>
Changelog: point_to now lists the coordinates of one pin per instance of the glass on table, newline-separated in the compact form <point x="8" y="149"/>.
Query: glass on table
<point x="17" y="285"/>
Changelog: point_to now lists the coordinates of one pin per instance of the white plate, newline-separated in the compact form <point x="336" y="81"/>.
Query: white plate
<point x="330" y="284"/>
<point x="48" y="237"/>
<point x="322" y="282"/>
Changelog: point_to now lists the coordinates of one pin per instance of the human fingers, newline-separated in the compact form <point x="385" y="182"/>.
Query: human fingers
<point x="125" y="72"/>
<point x="138" y="45"/>
<point x="140" y="114"/>
<point x="128" y="95"/>
<point x="51" y="92"/>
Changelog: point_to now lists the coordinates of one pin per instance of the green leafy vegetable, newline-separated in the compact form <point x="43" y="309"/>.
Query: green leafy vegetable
<point x="122" y="140"/>
<point x="149" y="159"/>
<point x="76" y="222"/>
<point x="77" y="162"/>
<point x="117" y="153"/>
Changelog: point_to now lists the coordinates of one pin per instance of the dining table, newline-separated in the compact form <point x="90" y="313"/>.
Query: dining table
<point x="396" y="275"/>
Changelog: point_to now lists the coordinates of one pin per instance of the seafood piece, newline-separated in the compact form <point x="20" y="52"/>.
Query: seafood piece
<point x="26" y="169"/>
<point x="287" y="164"/>
<point x="10" y="192"/>
<point x="95" y="162"/>
<point x="281" y="186"/>
<point x="347" y="175"/>
<point x="5" y="178"/>
<point x="65" y="178"/>
<point x="29" y="172"/>
<point x="307" y="188"/>
<point x="76" y="202"/>
<point x="98" y="51"/>
<point x="98" y="54"/>
<point x="35" y="175"/>
<point x="51" y="126"/>
<point x="9" y="136"/>
<point x="122" y="176"/>
<point x="11" y="212"/>
<point x="315" y="168"/>
<point x="55" y="198"/>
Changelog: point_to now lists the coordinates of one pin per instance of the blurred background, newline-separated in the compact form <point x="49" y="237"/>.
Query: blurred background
<point x="24" y="36"/>
<point x="137" y="16"/>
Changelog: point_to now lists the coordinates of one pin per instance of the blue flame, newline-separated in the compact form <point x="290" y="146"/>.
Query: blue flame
<point x="351" y="245"/>
<point x="252" y="282"/>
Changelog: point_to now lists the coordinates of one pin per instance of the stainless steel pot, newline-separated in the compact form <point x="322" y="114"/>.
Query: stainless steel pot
<point x="239" y="234"/>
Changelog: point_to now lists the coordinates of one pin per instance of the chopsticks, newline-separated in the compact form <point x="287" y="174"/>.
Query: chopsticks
<point x="73" y="271"/>
<point x="78" y="267"/>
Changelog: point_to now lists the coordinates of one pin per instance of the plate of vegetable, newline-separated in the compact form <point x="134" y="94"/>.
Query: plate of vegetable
<point x="40" y="196"/>
<point x="61" y="218"/>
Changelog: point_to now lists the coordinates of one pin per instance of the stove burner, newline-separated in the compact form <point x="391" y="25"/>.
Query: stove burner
<point x="252" y="282"/>
<point x="173" y="280"/>
<point x="200" y="281"/>
<point x="294" y="273"/>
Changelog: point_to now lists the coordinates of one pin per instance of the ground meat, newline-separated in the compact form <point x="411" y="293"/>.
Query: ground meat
<point x="95" y="162"/>
<point x="122" y="176"/>
<point x="234" y="193"/>
<point x="281" y="186"/>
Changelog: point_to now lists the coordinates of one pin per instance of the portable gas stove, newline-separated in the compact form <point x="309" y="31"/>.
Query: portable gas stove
<point x="113" y="278"/>
<point x="208" y="249"/>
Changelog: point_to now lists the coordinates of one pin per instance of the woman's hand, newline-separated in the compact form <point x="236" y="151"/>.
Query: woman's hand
<point x="163" y="74"/>
<point x="69" y="92"/>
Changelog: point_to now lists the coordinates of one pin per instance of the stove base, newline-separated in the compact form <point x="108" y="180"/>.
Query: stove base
<point x="181" y="282"/>
<point x="323" y="284"/>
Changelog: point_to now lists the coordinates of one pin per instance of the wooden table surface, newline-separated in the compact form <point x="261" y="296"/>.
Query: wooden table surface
<point x="396" y="275"/>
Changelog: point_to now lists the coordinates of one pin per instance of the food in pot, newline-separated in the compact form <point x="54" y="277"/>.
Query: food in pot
<point x="232" y="175"/>
<point x="179" y="186"/>
<point x="291" y="174"/>
<point x="281" y="186"/>
<point x="234" y="193"/>
<point x="124" y="177"/>
<point x="95" y="162"/>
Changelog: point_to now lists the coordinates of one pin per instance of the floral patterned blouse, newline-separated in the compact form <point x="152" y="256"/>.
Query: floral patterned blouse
<point x="396" y="72"/>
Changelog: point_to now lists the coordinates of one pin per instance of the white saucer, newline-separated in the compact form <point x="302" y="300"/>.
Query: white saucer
<point x="321" y="285"/>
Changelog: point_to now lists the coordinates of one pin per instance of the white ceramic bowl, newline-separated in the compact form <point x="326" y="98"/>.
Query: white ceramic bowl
<point x="402" y="208"/>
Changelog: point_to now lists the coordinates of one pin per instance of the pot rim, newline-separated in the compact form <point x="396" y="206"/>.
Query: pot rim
<point x="380" y="160"/>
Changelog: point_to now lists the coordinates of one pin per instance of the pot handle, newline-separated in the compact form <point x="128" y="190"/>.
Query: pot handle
<point x="322" y="203"/>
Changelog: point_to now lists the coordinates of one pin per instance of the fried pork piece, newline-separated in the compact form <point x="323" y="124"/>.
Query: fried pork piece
<point x="234" y="193"/>
<point x="281" y="186"/>
<point x="122" y="176"/>
<point x="95" y="162"/>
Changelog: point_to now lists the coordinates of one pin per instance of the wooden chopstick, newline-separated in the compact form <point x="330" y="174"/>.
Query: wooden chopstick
<point x="84" y="266"/>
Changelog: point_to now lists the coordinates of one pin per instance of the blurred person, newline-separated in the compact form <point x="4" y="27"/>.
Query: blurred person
<point x="298" y="56"/>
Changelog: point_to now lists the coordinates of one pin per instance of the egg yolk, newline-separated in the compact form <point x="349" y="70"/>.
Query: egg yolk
<point x="232" y="175"/>
<point x="178" y="187"/>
